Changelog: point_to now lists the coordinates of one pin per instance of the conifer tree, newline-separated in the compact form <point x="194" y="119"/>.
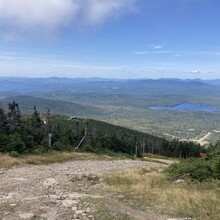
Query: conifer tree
<point x="13" y="121"/>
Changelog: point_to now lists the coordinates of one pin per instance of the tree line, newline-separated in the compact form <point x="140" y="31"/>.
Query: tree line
<point x="29" y="134"/>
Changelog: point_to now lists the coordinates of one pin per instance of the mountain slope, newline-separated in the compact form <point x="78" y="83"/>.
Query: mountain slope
<point x="27" y="103"/>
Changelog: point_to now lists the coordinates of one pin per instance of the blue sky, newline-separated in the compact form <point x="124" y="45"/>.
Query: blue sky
<point x="110" y="38"/>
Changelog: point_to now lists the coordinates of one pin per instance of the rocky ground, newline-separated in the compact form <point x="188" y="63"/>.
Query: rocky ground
<point x="65" y="191"/>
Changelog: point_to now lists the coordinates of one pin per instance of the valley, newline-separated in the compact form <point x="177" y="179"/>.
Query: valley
<point x="129" y="105"/>
<point x="109" y="110"/>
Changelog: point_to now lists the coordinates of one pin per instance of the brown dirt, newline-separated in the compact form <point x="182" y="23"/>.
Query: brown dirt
<point x="46" y="192"/>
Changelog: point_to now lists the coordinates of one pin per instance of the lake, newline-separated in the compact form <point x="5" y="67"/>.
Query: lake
<point x="187" y="107"/>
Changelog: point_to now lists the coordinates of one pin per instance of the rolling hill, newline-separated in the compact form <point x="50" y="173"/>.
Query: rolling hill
<point x="27" y="103"/>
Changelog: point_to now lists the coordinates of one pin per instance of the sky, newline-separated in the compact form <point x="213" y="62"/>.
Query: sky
<point x="110" y="38"/>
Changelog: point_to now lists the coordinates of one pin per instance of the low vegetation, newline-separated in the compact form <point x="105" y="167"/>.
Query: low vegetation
<point x="92" y="178"/>
<point x="196" y="169"/>
<point x="155" y="190"/>
<point x="189" y="188"/>
<point x="7" y="160"/>
<point x="203" y="169"/>
<point x="103" y="212"/>
<point x="154" y="156"/>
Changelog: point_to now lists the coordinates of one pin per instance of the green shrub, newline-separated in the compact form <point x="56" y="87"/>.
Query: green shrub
<point x="195" y="169"/>
<point x="38" y="151"/>
<point x="215" y="166"/>
<point x="89" y="148"/>
<point x="14" y="154"/>
<point x="15" y="143"/>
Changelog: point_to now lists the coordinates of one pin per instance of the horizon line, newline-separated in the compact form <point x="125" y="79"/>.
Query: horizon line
<point x="106" y="78"/>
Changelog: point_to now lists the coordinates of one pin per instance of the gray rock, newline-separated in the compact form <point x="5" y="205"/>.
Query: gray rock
<point x="26" y="215"/>
<point x="50" y="182"/>
<point x="69" y="203"/>
<point x="79" y="212"/>
<point x="74" y="208"/>
<point x="180" y="181"/>
<point x="87" y="210"/>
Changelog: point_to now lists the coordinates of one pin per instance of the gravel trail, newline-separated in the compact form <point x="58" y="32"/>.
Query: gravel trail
<point x="46" y="192"/>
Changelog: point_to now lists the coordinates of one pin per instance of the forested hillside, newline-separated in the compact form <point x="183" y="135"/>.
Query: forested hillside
<point x="26" y="104"/>
<point x="29" y="134"/>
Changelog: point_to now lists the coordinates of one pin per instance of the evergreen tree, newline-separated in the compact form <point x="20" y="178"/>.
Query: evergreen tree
<point x="37" y="127"/>
<point x="36" y="121"/>
<point x="3" y="119"/>
<point x="13" y="122"/>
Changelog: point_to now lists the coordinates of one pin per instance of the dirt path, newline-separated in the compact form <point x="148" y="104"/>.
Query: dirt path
<point x="46" y="192"/>
<point x="202" y="140"/>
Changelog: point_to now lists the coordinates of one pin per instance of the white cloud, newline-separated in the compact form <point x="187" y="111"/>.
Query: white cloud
<point x="24" y="16"/>
<point x="177" y="55"/>
<point x="195" y="71"/>
<point x="27" y="14"/>
<point x="153" y="52"/>
<point x="89" y="67"/>
<point x="156" y="47"/>
<point x="97" y="11"/>
<point x="141" y="52"/>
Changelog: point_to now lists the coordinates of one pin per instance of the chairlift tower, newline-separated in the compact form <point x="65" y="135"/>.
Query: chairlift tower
<point x="85" y="135"/>
<point x="49" y="139"/>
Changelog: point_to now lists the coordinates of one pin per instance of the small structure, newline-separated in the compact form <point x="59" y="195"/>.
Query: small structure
<point x="202" y="155"/>
<point x="73" y="118"/>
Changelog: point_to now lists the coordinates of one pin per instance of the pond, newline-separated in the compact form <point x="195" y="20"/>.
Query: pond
<point x="187" y="107"/>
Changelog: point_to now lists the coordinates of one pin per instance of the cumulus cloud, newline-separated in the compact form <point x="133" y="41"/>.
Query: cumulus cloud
<point x="156" y="46"/>
<point x="29" y="15"/>
<point x="195" y="71"/>
<point x="26" y="14"/>
<point x="99" y="10"/>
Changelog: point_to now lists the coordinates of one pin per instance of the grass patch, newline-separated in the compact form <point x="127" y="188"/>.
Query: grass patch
<point x="93" y="178"/>
<point x="7" y="160"/>
<point x="4" y="207"/>
<point x="155" y="156"/>
<point x="53" y="157"/>
<point x="146" y="188"/>
<point x="157" y="159"/>
<point x="154" y="161"/>
<point x="103" y="212"/>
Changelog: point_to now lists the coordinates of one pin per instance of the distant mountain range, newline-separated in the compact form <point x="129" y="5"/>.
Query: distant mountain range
<point x="94" y="85"/>
<point x="89" y="97"/>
